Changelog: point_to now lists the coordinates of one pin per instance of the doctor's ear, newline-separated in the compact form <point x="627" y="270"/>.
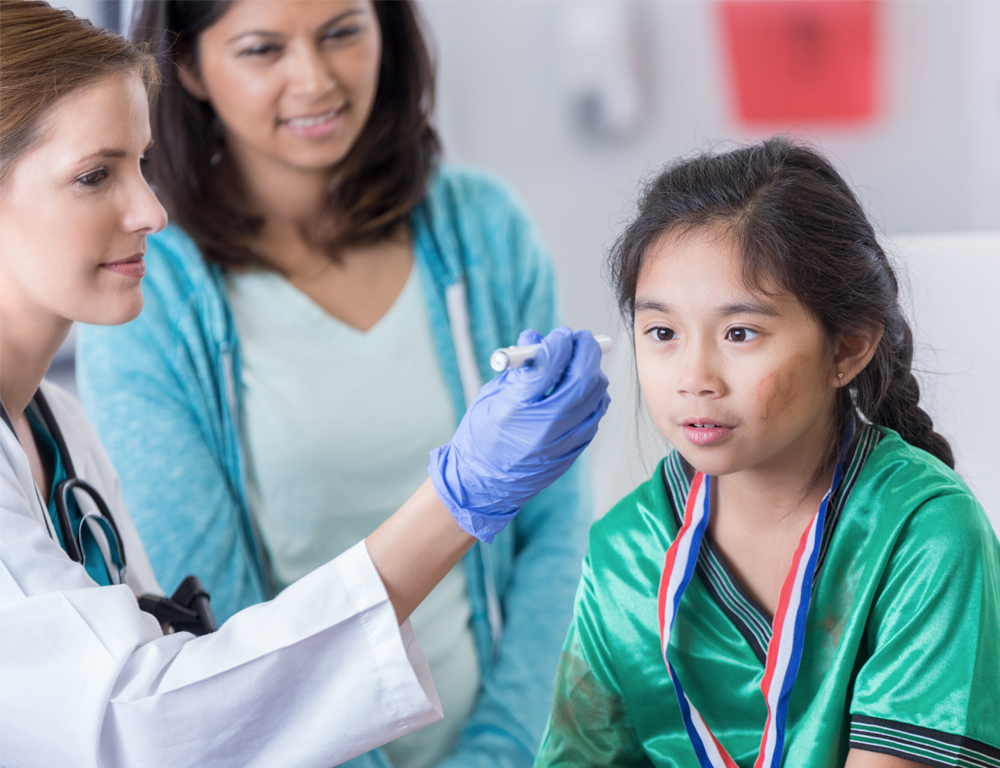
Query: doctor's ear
<point x="190" y="77"/>
<point x="851" y="354"/>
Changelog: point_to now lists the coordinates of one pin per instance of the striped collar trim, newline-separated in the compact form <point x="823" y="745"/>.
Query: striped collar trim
<point x="921" y="745"/>
<point x="753" y="621"/>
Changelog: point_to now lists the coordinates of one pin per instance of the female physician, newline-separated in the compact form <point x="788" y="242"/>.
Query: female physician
<point x="327" y="670"/>
<point x="318" y="315"/>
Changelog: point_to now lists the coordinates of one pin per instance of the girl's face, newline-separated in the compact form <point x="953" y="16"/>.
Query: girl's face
<point x="736" y="380"/>
<point x="292" y="81"/>
<point x="75" y="210"/>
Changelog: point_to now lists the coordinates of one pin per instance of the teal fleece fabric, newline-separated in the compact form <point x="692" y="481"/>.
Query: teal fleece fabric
<point x="163" y="393"/>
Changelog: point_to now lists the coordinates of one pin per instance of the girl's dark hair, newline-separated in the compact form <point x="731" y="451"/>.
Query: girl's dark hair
<point x="372" y="190"/>
<point x="799" y="228"/>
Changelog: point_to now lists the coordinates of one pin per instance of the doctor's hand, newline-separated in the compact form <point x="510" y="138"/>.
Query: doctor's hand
<point x="522" y="432"/>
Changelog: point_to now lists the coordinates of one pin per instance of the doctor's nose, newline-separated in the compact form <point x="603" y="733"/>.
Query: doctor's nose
<point x="145" y="214"/>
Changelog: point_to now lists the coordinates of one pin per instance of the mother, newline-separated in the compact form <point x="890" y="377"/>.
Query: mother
<point x="317" y="318"/>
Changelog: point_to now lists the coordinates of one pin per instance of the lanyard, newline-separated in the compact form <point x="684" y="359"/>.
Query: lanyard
<point x="788" y="630"/>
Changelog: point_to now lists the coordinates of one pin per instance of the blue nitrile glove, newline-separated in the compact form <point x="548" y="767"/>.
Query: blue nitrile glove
<point x="515" y="439"/>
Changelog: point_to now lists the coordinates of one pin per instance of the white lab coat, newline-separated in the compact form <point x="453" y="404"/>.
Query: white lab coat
<point x="316" y="676"/>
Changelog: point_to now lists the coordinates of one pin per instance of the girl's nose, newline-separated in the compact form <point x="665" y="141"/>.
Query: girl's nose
<point x="145" y="214"/>
<point x="309" y="73"/>
<point x="700" y="375"/>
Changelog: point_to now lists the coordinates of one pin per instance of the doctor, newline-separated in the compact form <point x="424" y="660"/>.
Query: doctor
<point x="327" y="670"/>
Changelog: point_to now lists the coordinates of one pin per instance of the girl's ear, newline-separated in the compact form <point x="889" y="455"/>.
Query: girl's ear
<point x="851" y="354"/>
<point x="190" y="77"/>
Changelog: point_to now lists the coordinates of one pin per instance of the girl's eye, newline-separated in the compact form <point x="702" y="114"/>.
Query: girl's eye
<point x="662" y="334"/>
<point x="93" y="179"/>
<point x="740" y="334"/>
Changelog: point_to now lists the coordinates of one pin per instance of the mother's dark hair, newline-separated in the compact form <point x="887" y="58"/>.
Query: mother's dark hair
<point x="799" y="228"/>
<point x="372" y="190"/>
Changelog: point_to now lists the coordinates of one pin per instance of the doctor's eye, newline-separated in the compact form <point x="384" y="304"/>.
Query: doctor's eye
<point x="662" y="334"/>
<point x="740" y="334"/>
<point x="93" y="179"/>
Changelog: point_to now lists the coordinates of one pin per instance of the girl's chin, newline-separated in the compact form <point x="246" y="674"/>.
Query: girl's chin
<point x="711" y="463"/>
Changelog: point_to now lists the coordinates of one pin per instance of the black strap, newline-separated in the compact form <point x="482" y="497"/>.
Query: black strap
<point x="53" y="426"/>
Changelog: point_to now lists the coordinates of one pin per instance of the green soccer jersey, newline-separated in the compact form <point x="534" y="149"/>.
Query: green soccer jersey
<point x="902" y="643"/>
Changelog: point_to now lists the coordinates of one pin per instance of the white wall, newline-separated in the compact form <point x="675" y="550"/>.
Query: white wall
<point x="929" y="161"/>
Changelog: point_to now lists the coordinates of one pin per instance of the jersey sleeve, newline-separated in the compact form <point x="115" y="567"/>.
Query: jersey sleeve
<point x="590" y="723"/>
<point x="929" y="690"/>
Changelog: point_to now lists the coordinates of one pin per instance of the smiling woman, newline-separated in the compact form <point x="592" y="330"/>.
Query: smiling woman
<point x="266" y="92"/>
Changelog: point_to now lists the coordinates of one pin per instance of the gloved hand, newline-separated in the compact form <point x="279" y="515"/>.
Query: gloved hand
<point x="522" y="432"/>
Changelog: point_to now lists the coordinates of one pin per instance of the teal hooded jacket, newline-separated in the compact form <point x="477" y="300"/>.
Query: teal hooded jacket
<point x="163" y="393"/>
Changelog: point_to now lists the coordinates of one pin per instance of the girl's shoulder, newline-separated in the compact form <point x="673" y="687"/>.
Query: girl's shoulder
<point x="902" y="481"/>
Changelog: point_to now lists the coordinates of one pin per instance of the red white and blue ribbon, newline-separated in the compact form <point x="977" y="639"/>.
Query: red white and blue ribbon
<point x="788" y="629"/>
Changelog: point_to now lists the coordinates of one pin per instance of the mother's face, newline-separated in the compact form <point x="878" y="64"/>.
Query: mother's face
<point x="75" y="210"/>
<point x="292" y="81"/>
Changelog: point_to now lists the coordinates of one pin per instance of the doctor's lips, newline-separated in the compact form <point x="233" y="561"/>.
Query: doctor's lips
<point x="312" y="126"/>
<point x="705" y="431"/>
<point x="133" y="266"/>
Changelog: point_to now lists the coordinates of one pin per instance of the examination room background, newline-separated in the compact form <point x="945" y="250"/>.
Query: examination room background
<point x="575" y="102"/>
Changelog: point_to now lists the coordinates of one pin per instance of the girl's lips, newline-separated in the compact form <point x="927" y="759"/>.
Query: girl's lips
<point x="701" y="434"/>
<point x="133" y="266"/>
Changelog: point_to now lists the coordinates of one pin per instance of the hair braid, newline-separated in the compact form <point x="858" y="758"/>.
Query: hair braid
<point x="898" y="407"/>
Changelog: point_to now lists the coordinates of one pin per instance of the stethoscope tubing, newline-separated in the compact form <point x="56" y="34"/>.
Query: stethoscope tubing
<point x="72" y="482"/>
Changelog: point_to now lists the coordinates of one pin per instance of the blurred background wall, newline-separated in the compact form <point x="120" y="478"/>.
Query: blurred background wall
<point x="925" y="158"/>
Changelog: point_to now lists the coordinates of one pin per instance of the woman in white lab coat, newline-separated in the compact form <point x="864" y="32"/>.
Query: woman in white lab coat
<point x="327" y="670"/>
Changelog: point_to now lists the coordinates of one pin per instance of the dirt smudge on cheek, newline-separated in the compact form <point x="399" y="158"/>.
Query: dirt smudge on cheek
<point x="777" y="391"/>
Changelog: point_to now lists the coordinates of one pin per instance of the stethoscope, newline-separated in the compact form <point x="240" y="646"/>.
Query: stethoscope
<point x="73" y="540"/>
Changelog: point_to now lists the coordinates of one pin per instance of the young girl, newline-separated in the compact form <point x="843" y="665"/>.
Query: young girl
<point x="804" y="581"/>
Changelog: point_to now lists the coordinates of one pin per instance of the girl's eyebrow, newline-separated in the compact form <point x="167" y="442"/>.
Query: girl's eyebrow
<point x="742" y="308"/>
<point x="749" y="308"/>
<point x="651" y="305"/>
<point x="266" y="33"/>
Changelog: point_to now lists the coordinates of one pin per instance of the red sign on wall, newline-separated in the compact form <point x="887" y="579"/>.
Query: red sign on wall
<point x="802" y="60"/>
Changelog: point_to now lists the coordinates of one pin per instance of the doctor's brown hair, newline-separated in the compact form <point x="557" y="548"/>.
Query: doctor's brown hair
<point x="45" y="55"/>
<point x="799" y="228"/>
<point x="372" y="190"/>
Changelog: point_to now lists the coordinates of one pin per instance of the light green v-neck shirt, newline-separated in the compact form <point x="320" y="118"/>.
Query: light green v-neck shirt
<point x="338" y="425"/>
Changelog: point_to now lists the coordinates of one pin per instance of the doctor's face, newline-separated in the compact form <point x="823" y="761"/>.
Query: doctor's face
<point x="292" y="81"/>
<point x="75" y="210"/>
<point x="736" y="380"/>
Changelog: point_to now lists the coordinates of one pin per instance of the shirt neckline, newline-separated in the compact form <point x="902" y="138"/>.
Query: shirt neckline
<point x="314" y="317"/>
<point x="751" y="619"/>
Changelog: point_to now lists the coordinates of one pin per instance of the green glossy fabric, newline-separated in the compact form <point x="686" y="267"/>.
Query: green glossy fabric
<point x="903" y="635"/>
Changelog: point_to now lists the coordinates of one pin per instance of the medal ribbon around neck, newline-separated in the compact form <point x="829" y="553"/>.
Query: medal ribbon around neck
<point x="784" y="651"/>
